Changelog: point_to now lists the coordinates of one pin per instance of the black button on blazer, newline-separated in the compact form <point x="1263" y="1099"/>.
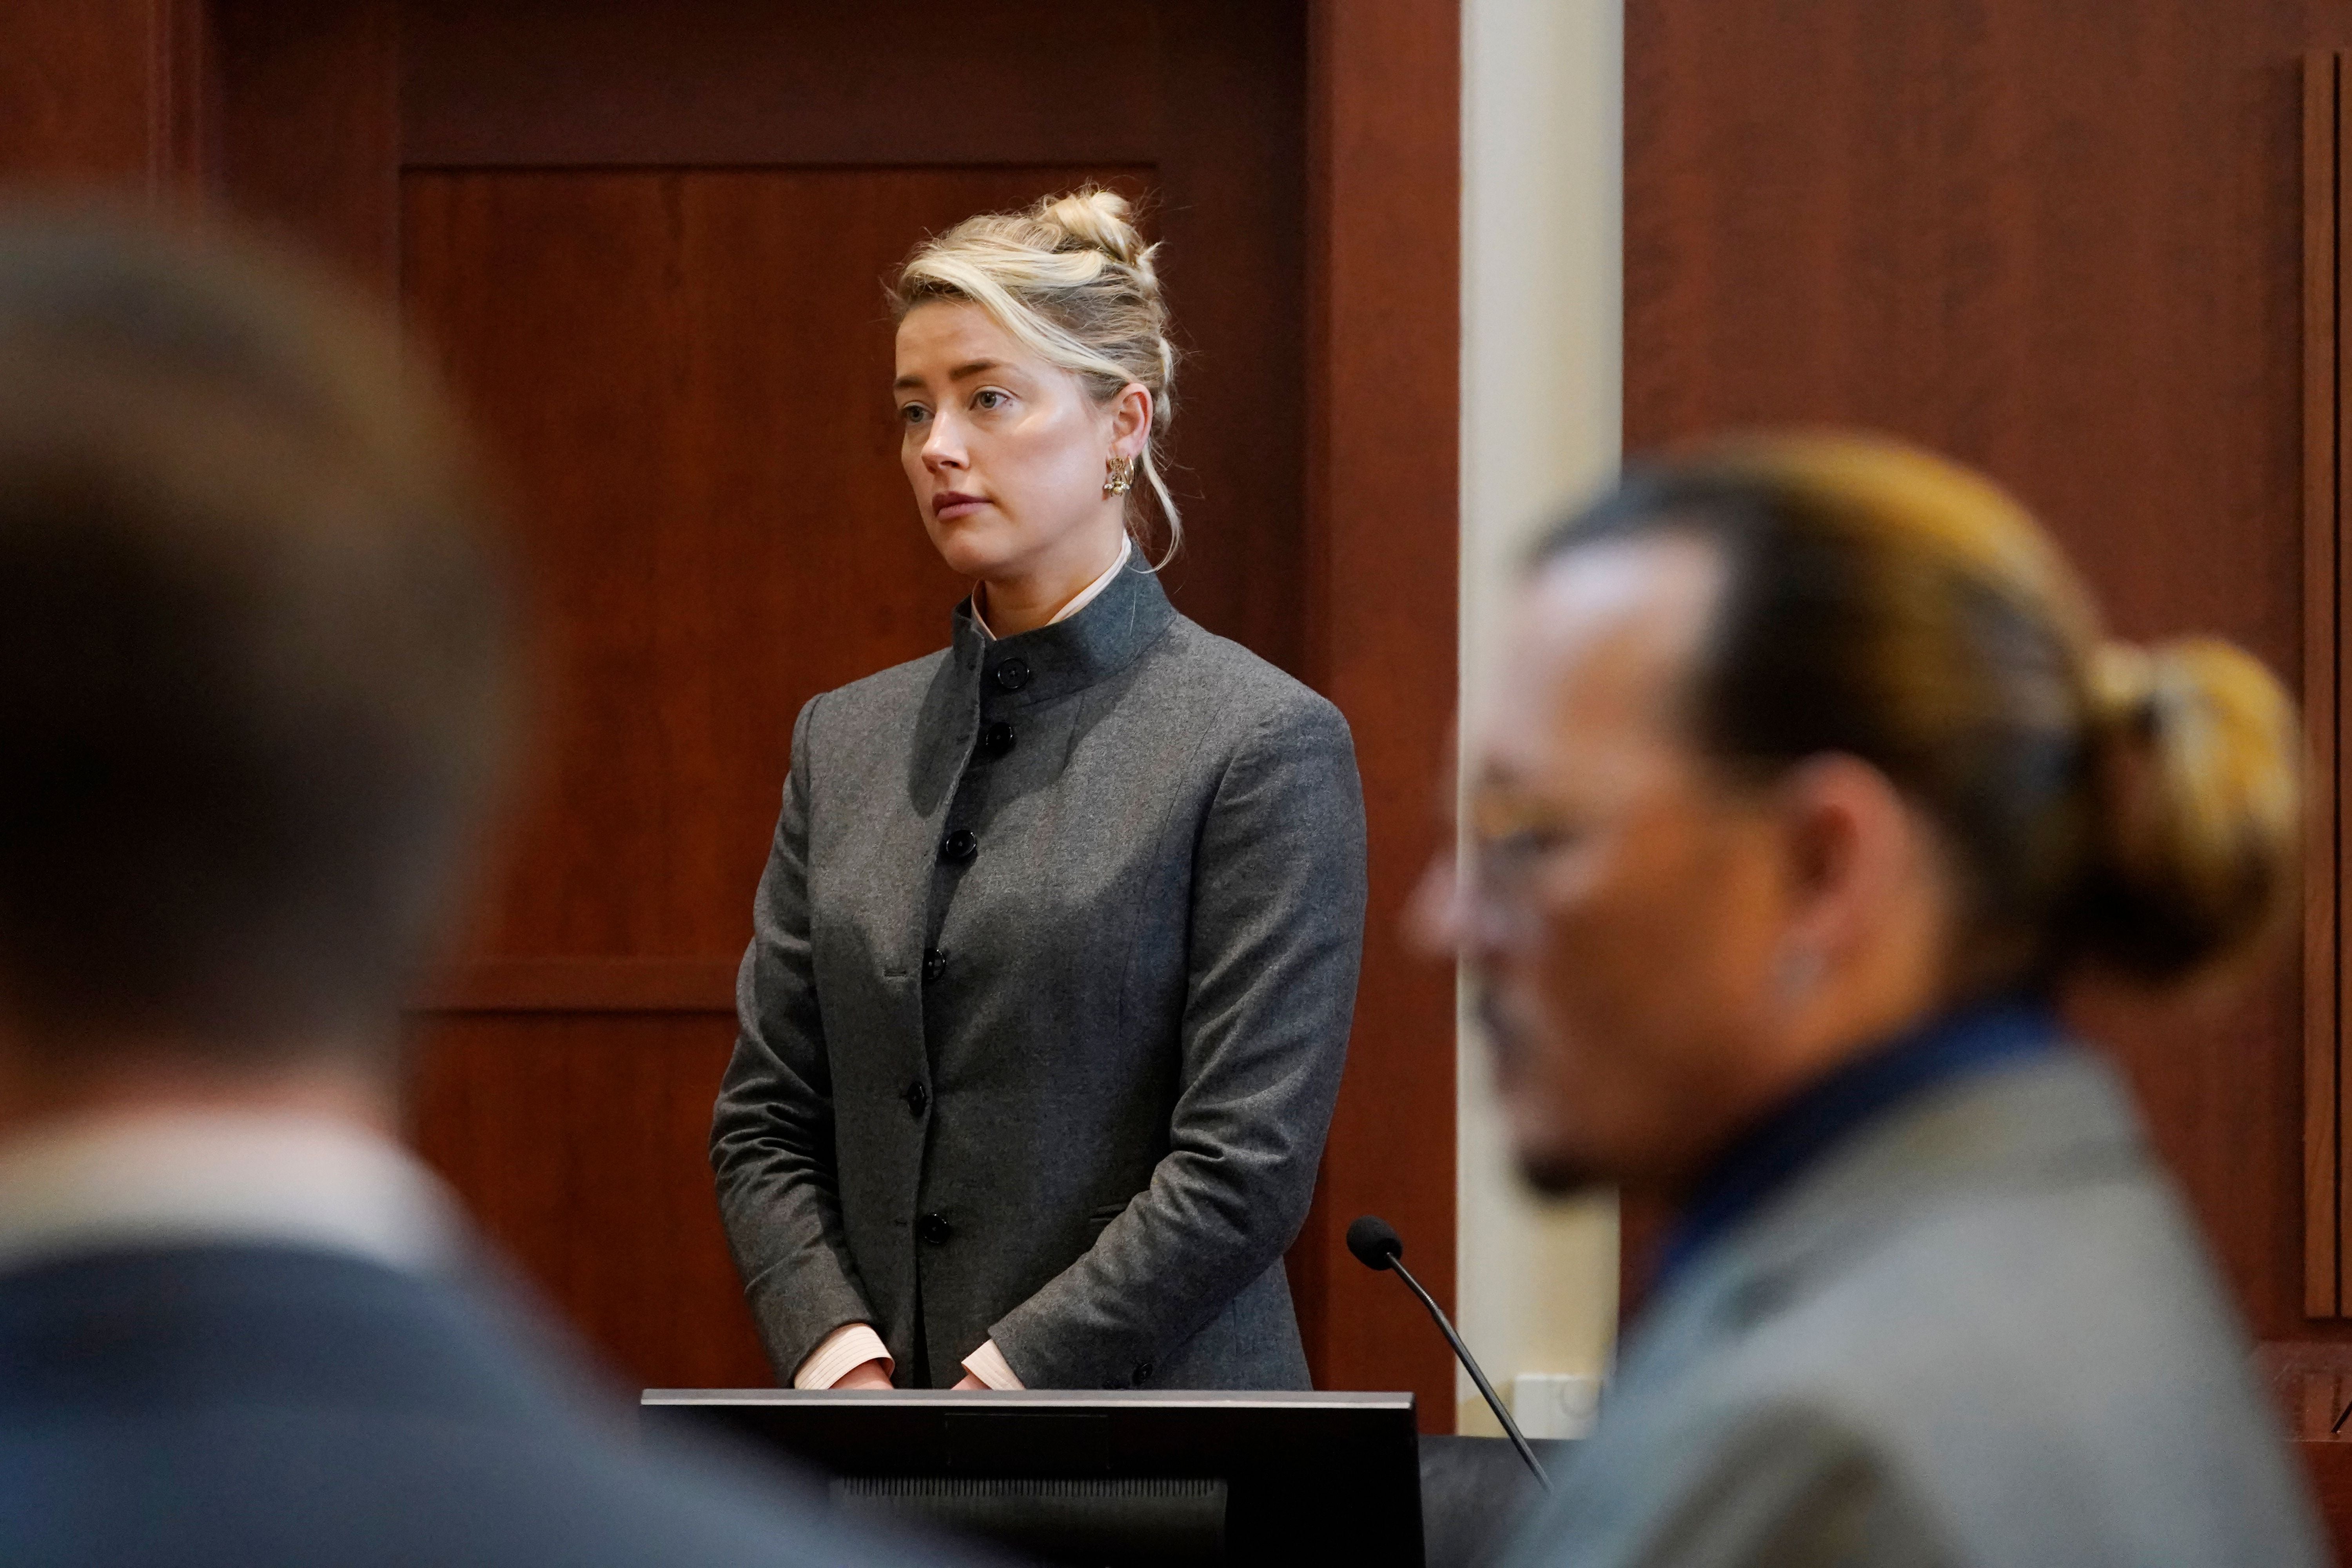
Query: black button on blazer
<point x="1133" y="1055"/>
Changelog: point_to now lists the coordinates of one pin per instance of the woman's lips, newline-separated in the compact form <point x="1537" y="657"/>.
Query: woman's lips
<point x="948" y="505"/>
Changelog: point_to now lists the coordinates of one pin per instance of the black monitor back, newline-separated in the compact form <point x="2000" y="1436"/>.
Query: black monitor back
<point x="1305" y="1477"/>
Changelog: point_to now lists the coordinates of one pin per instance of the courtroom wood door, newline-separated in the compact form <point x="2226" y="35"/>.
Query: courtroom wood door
<point x="648" y="242"/>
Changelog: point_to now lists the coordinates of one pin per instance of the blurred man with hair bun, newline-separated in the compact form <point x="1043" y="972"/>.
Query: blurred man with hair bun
<point x="1807" y="781"/>
<point x="255" y="674"/>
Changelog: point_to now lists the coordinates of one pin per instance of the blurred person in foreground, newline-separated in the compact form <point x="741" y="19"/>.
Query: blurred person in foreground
<point x="255" y="676"/>
<point x="1807" y="781"/>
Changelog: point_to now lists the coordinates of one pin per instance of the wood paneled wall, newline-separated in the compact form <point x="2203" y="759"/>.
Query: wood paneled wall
<point x="2324" y="431"/>
<point x="647" y="240"/>
<point x="110" y="91"/>
<point x="1384" y="554"/>
<point x="2064" y="243"/>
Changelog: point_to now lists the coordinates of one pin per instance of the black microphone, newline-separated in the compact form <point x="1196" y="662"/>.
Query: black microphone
<point x="1377" y="1246"/>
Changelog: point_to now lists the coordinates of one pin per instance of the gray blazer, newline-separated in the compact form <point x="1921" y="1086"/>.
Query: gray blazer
<point x="1983" y="1333"/>
<point x="1045" y="1009"/>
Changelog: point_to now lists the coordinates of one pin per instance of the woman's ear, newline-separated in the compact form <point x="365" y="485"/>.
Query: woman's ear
<point x="1130" y="420"/>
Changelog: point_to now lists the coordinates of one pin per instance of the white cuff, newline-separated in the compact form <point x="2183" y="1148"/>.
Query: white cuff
<point x="988" y="1364"/>
<point x="841" y="1353"/>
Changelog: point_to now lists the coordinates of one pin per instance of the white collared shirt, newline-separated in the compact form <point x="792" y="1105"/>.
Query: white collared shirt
<point x="1086" y="595"/>
<point x="227" y="1176"/>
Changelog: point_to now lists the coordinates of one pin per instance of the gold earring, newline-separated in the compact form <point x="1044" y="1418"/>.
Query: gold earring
<point x="1121" y="477"/>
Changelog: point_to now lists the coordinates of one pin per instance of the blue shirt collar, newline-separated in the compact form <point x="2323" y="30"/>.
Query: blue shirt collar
<point x="1778" y="1148"/>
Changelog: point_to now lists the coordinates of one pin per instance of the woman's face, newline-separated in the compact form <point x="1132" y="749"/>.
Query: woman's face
<point x="1006" y="452"/>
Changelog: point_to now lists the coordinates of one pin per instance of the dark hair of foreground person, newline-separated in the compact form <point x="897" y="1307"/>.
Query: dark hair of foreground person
<point x="257" y="681"/>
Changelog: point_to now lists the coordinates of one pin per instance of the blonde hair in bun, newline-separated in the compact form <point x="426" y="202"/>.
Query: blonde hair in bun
<point x="2134" y="809"/>
<point x="1072" y="280"/>
<point x="2199" y="813"/>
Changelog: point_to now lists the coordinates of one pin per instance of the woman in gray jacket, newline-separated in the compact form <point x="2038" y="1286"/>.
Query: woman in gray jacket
<point x="1055" y="952"/>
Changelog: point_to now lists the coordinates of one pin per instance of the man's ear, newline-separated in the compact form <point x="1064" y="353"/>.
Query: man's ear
<point x="1850" y="841"/>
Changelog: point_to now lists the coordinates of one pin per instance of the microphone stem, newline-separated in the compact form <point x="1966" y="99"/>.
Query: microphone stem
<point x="1471" y="1363"/>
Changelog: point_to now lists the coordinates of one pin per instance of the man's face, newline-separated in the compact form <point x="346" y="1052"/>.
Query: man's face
<point x="1620" y="906"/>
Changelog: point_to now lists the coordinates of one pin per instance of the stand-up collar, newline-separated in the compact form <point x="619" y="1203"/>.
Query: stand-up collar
<point x="1069" y="655"/>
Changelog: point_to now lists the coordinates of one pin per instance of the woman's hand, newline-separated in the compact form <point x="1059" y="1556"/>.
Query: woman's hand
<point x="969" y="1382"/>
<point x="865" y="1374"/>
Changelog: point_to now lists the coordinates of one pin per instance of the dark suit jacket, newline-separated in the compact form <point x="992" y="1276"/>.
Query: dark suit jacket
<point x="1062" y="1083"/>
<point x="1980" y="1333"/>
<point x="255" y="1405"/>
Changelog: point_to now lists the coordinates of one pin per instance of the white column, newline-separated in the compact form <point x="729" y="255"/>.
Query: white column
<point x="1542" y="335"/>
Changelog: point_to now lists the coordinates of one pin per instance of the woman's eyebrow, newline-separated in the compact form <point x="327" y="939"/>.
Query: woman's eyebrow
<point x="964" y="372"/>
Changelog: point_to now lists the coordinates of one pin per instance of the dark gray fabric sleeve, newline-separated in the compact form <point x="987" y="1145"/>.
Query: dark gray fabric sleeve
<point x="1276" y="936"/>
<point x="771" y="1135"/>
